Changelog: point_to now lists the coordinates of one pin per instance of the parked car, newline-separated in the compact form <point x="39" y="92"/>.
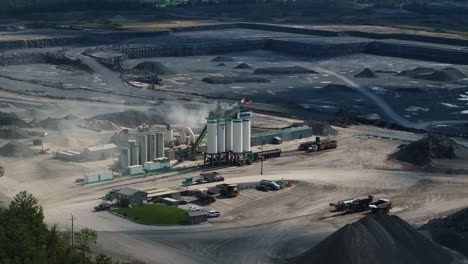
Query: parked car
<point x="102" y="207"/>
<point x="193" y="209"/>
<point x="262" y="188"/>
<point x="214" y="213"/>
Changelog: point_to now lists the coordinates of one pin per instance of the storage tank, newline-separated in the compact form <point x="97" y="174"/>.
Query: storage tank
<point x="124" y="158"/>
<point x="246" y="135"/>
<point x="237" y="136"/>
<point x="221" y="127"/>
<point x="143" y="144"/>
<point x="134" y="152"/>
<point x="151" y="147"/>
<point x="211" y="145"/>
<point x="228" y="128"/>
<point x="159" y="144"/>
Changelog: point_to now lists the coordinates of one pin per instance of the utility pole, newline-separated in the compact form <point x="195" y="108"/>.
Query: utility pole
<point x="72" y="232"/>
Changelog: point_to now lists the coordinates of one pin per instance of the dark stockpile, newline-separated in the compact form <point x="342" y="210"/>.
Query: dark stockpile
<point x="56" y="124"/>
<point x="336" y="88"/>
<point x="17" y="150"/>
<point x="221" y="64"/>
<point x="99" y="125"/>
<point x="376" y="238"/>
<point x="230" y="80"/>
<point x="321" y="128"/>
<point x="366" y="73"/>
<point x="153" y="67"/>
<point x="71" y="117"/>
<point x="132" y="118"/>
<point x="421" y="152"/>
<point x="222" y="59"/>
<point x="13" y="132"/>
<point x="284" y="70"/>
<point x="10" y="119"/>
<point x="451" y="231"/>
<point x="135" y="75"/>
<point x="443" y="75"/>
<point x="243" y="66"/>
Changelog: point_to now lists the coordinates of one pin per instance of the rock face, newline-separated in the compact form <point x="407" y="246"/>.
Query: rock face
<point x="443" y="75"/>
<point x="421" y="152"/>
<point x="231" y="80"/>
<point x="450" y="231"/>
<point x="17" y="150"/>
<point x="376" y="238"/>
<point x="153" y="67"/>
<point x="366" y="73"/>
<point x="284" y="70"/>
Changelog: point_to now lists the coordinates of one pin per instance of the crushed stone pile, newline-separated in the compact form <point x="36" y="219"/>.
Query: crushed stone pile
<point x="377" y="238"/>
<point x="56" y="124"/>
<point x="153" y="67"/>
<point x="366" y="73"/>
<point x="243" y="66"/>
<point x="450" y="231"/>
<point x="105" y="125"/>
<point x="13" y="132"/>
<point x="222" y="59"/>
<point x="230" y="79"/>
<point x="421" y="152"/>
<point x="444" y="75"/>
<point x="284" y="70"/>
<point x="71" y="117"/>
<point x="17" y="150"/>
<point x="11" y="119"/>
<point x="336" y="88"/>
<point x="221" y="64"/>
<point x="133" y="118"/>
<point x="321" y="128"/>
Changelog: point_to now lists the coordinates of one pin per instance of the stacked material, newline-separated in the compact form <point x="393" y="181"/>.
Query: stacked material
<point x="443" y="75"/>
<point x="366" y="73"/>
<point x="17" y="150"/>
<point x="153" y="67"/>
<point x="284" y="70"/>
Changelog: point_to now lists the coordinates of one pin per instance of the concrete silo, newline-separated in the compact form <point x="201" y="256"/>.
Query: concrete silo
<point x="246" y="136"/>
<point x="237" y="144"/>
<point x="159" y="144"/>
<point x="134" y="152"/>
<point x="221" y="131"/>
<point x="212" y="144"/>
<point x="143" y="145"/>
<point x="228" y="134"/>
<point x="152" y="147"/>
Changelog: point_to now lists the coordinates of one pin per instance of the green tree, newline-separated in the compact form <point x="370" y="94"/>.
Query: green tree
<point x="103" y="259"/>
<point x="84" y="239"/>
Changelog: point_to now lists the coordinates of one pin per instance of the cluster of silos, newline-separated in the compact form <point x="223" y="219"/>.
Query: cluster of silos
<point x="147" y="147"/>
<point x="228" y="135"/>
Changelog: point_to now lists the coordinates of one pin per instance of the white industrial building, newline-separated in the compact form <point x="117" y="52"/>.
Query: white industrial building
<point x="100" y="152"/>
<point x="98" y="177"/>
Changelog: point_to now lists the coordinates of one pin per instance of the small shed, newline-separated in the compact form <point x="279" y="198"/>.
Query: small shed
<point x="134" y="197"/>
<point x="169" y="201"/>
<point x="198" y="217"/>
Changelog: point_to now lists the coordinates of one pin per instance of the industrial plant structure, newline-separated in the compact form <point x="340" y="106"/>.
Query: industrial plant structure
<point x="148" y="146"/>
<point x="228" y="136"/>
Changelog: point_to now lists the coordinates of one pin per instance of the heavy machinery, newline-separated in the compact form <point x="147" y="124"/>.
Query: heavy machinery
<point x="212" y="176"/>
<point x="318" y="145"/>
<point x="228" y="190"/>
<point x="353" y="205"/>
<point x="206" y="198"/>
<point x="381" y="205"/>
<point x="110" y="195"/>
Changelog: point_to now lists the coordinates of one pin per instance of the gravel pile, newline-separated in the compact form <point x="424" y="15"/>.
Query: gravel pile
<point x="56" y="124"/>
<point x="221" y="64"/>
<point x="450" y="231"/>
<point x="376" y="238"/>
<point x="17" y="150"/>
<point x="71" y="117"/>
<point x="13" y="132"/>
<point x="366" y="73"/>
<point x="222" y="59"/>
<point x="336" y="88"/>
<point x="230" y="80"/>
<point x="99" y="125"/>
<point x="321" y="128"/>
<point x="421" y="152"/>
<point x="443" y="75"/>
<point x="243" y="66"/>
<point x="132" y="118"/>
<point x="153" y="67"/>
<point x="11" y="119"/>
<point x="284" y="70"/>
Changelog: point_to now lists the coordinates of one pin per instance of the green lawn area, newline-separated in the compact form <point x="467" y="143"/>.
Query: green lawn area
<point x="155" y="214"/>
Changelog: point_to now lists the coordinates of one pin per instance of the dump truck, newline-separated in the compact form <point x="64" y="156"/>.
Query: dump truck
<point x="317" y="145"/>
<point x="228" y="190"/>
<point x="353" y="205"/>
<point x="206" y="198"/>
<point x="212" y="176"/>
<point x="381" y="205"/>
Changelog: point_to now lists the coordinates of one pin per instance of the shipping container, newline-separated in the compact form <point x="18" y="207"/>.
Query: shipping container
<point x="98" y="177"/>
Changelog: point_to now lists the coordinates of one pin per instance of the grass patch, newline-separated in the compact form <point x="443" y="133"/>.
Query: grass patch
<point x="155" y="214"/>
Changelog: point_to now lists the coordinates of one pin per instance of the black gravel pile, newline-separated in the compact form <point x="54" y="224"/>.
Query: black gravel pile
<point x="450" y="231"/>
<point x="153" y="67"/>
<point x="366" y="73"/>
<point x="11" y="119"/>
<point x="56" y="124"/>
<point x="17" y="150"/>
<point x="231" y="80"/>
<point x="243" y="66"/>
<point x="221" y="64"/>
<point x="443" y="75"/>
<point x="376" y="239"/>
<point x="421" y="152"/>
<point x="13" y="132"/>
<point x="132" y="118"/>
<point x="284" y="70"/>
<point x="71" y="117"/>
<point x="222" y="59"/>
